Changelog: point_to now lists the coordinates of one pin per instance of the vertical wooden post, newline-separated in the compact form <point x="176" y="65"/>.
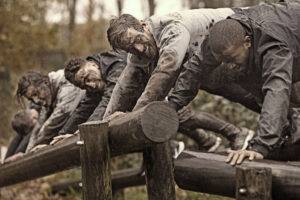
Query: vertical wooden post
<point x="95" y="161"/>
<point x="159" y="166"/>
<point x="253" y="183"/>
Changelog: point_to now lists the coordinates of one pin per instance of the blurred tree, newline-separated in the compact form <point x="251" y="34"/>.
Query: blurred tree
<point x="229" y="3"/>
<point x="152" y="6"/>
<point x="120" y="6"/>
<point x="24" y="35"/>
<point x="71" y="6"/>
<point x="194" y="4"/>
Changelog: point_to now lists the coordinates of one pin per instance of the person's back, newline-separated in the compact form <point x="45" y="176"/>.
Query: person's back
<point x="197" y="22"/>
<point x="280" y="21"/>
<point x="262" y="42"/>
<point x="56" y="94"/>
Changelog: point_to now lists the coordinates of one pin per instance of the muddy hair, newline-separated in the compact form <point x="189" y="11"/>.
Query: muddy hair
<point x="21" y="122"/>
<point x="226" y="33"/>
<point x="30" y="78"/>
<point x="72" y="67"/>
<point x="118" y="28"/>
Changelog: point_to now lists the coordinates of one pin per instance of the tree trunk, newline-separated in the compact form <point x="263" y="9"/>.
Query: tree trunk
<point x="120" y="6"/>
<point x="152" y="6"/>
<point x="71" y="5"/>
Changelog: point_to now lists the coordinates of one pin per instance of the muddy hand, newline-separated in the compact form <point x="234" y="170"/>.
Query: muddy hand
<point x="237" y="157"/>
<point x="38" y="147"/>
<point x="60" y="138"/>
<point x="114" y="116"/>
<point x="14" y="157"/>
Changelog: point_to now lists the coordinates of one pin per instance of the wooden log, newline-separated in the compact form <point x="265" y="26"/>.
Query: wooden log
<point x="127" y="178"/>
<point x="159" y="172"/>
<point x="253" y="183"/>
<point x="120" y="179"/>
<point x="154" y="123"/>
<point x="208" y="173"/>
<point x="95" y="162"/>
<point x="47" y="161"/>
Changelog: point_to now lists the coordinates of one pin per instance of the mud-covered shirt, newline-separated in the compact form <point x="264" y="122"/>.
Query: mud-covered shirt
<point x="93" y="104"/>
<point x="272" y="68"/>
<point x="144" y="80"/>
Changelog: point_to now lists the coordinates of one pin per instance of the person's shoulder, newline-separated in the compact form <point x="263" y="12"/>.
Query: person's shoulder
<point x="57" y="77"/>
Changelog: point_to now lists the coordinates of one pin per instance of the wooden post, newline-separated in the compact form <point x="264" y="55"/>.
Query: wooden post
<point x="95" y="161"/>
<point x="159" y="172"/>
<point x="253" y="183"/>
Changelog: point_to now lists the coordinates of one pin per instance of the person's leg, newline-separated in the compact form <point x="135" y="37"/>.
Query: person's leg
<point x="23" y="144"/>
<point x="13" y="146"/>
<point x="190" y="120"/>
<point x="205" y="141"/>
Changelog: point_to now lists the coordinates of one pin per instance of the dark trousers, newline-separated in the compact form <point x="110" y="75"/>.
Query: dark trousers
<point x="17" y="145"/>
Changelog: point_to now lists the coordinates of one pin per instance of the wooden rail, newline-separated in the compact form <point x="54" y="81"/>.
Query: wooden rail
<point x="208" y="173"/>
<point x="148" y="130"/>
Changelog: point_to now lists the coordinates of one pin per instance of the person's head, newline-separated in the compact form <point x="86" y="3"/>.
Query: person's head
<point x="131" y="35"/>
<point x="35" y="87"/>
<point x="24" y="121"/>
<point x="84" y="74"/>
<point x="229" y="42"/>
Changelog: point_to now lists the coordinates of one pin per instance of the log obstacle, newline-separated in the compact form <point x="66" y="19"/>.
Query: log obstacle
<point x="154" y="124"/>
<point x="120" y="179"/>
<point x="148" y="130"/>
<point x="208" y="173"/>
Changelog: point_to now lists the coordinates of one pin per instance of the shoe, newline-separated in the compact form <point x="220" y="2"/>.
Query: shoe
<point x="177" y="147"/>
<point x="215" y="146"/>
<point x="242" y="139"/>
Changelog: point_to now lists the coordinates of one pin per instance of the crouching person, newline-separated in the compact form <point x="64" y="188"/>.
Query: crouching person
<point x="56" y="94"/>
<point x="97" y="74"/>
<point x="22" y="123"/>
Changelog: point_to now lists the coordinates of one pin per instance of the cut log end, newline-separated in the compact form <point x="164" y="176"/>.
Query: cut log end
<point x="159" y="121"/>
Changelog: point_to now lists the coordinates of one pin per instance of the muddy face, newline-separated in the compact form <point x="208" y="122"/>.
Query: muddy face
<point x="40" y="95"/>
<point x="236" y="54"/>
<point x="34" y="115"/>
<point x="139" y="43"/>
<point x="90" y="78"/>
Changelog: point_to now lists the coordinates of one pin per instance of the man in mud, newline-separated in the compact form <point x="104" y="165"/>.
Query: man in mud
<point x="263" y="44"/>
<point x="56" y="94"/>
<point x="22" y="123"/>
<point x="97" y="74"/>
<point x="157" y="48"/>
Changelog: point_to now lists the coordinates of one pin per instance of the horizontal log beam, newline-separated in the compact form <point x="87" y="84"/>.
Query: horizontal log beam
<point x="208" y="173"/>
<point x="120" y="179"/>
<point x="129" y="133"/>
<point x="51" y="159"/>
